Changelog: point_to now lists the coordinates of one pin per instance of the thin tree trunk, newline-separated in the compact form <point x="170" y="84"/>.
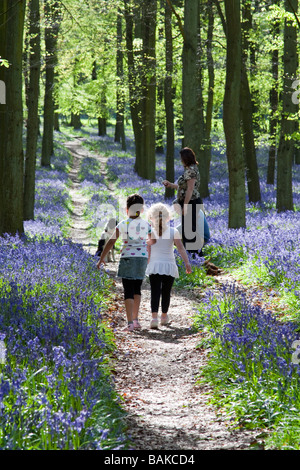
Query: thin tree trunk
<point x="75" y="112"/>
<point x="231" y="116"/>
<point x="192" y="99"/>
<point x="210" y="99"/>
<point x="120" y="114"/>
<point x="190" y="76"/>
<point x="297" y="155"/>
<point x="133" y="76"/>
<point x="169" y="105"/>
<point x="286" y="146"/>
<point x="273" y="106"/>
<point x="102" y="119"/>
<point x="52" y="14"/>
<point x="11" y="118"/>
<point x="75" y="121"/>
<point x="33" y="101"/>
<point x="102" y="128"/>
<point x="147" y="169"/>
<point x="254" y="194"/>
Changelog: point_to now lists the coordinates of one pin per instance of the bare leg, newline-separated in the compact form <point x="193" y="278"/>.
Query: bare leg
<point x="136" y="307"/>
<point x="164" y="319"/>
<point x="129" y="309"/>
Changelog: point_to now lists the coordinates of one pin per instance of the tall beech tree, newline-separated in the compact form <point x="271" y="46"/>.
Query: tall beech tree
<point x="168" y="98"/>
<point x="133" y="81"/>
<point x="210" y="96"/>
<point x="120" y="101"/>
<point x="254" y="193"/>
<point x="53" y="18"/>
<point x="192" y="94"/>
<point x="231" y="116"/>
<point x="11" y="117"/>
<point x="149" y="12"/>
<point x="196" y="123"/>
<point x="289" y="119"/>
<point x="33" y="64"/>
<point x="246" y="106"/>
<point x="274" y="101"/>
<point x="142" y="81"/>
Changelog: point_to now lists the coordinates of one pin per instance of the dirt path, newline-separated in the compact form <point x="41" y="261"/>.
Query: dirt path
<point x="156" y="370"/>
<point x="79" y="226"/>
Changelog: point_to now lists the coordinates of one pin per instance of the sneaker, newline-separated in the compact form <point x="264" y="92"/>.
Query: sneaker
<point x="154" y="323"/>
<point x="164" y="320"/>
<point x="136" y="325"/>
<point x="129" y="327"/>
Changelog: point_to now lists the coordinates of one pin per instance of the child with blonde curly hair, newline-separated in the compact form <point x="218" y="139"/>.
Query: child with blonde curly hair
<point x="162" y="269"/>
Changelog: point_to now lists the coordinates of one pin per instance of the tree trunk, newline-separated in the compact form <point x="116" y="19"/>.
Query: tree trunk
<point x="297" y="157"/>
<point x="254" y="194"/>
<point x="102" y="129"/>
<point x="33" y="101"/>
<point x="231" y="116"/>
<point x="11" y="118"/>
<point x="147" y="169"/>
<point x="169" y="105"/>
<point x="210" y="98"/>
<point x="120" y="114"/>
<point x="192" y="99"/>
<point x="75" y="110"/>
<point x="273" y="121"/>
<point x="56" y="118"/>
<point x="286" y="146"/>
<point x="273" y="106"/>
<point x="52" y="14"/>
<point x="133" y="80"/>
<point x="75" y="121"/>
<point x="102" y="119"/>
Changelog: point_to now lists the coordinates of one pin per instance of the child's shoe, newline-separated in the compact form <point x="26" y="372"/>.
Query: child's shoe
<point x="154" y="323"/>
<point x="164" y="320"/>
<point x="129" y="327"/>
<point x="136" y="325"/>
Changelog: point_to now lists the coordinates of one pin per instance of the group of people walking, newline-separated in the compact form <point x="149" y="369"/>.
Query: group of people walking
<point x="148" y="247"/>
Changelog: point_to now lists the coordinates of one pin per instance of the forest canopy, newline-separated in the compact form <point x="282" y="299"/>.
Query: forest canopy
<point x="209" y="73"/>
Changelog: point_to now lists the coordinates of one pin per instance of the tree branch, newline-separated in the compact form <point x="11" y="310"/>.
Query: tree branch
<point x="222" y="17"/>
<point x="295" y="13"/>
<point x="178" y="18"/>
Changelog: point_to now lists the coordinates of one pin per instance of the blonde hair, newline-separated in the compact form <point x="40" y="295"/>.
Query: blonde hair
<point x="159" y="215"/>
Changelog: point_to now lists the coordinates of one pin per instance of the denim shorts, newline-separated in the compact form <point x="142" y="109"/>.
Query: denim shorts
<point x="132" y="268"/>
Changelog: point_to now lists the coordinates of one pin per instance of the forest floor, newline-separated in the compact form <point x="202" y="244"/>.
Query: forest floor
<point x="157" y="371"/>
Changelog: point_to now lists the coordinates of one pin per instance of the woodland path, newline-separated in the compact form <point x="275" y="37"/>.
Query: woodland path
<point x="156" y="371"/>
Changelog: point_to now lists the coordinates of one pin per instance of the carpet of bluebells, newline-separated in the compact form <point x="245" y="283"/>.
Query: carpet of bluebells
<point x="254" y="362"/>
<point x="56" y="390"/>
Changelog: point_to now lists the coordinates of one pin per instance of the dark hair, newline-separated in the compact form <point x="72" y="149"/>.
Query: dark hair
<point x="188" y="156"/>
<point x="135" y="200"/>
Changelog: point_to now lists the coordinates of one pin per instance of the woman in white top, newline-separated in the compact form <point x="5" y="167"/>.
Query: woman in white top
<point x="162" y="268"/>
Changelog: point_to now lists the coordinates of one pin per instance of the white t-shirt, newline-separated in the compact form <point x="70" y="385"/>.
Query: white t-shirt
<point x="134" y="233"/>
<point x="162" y="258"/>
